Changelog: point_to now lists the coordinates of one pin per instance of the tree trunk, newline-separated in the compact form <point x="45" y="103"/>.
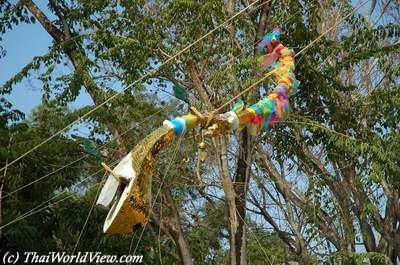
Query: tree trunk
<point x="227" y="185"/>
<point x="79" y="62"/>
<point x="240" y="187"/>
<point x="172" y="226"/>
<point x="238" y="247"/>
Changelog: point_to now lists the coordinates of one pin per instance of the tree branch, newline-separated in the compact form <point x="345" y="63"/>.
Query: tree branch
<point x="198" y="84"/>
<point x="44" y="20"/>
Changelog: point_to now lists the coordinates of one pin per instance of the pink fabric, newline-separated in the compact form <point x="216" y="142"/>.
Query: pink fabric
<point x="256" y="119"/>
<point x="269" y="59"/>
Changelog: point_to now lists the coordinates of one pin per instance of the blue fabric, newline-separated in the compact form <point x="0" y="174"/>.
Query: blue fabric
<point x="257" y="109"/>
<point x="270" y="37"/>
<point x="238" y="107"/>
<point x="295" y="85"/>
<point x="267" y="104"/>
<point x="179" y="127"/>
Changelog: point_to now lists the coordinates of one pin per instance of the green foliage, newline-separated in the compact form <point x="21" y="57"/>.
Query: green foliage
<point x="352" y="119"/>
<point x="362" y="258"/>
<point x="265" y="247"/>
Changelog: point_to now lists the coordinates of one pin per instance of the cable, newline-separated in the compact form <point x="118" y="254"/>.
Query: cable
<point x="81" y="158"/>
<point x="88" y="216"/>
<point x="159" y="232"/>
<point x="29" y="213"/>
<point x="297" y="54"/>
<point x="167" y="61"/>
<point x="331" y="28"/>
<point x="51" y="173"/>
<point x="43" y="177"/>
<point x="32" y="211"/>
<point x="149" y="74"/>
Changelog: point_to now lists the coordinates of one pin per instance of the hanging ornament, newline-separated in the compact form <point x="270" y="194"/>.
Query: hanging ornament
<point x="128" y="187"/>
<point x="202" y="151"/>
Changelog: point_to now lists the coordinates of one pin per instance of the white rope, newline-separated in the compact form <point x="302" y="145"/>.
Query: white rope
<point x="88" y="216"/>
<point x="81" y="158"/>
<point x="149" y="74"/>
<point x="32" y="211"/>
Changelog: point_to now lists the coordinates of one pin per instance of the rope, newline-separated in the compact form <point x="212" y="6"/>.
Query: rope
<point x="303" y="50"/>
<point x="267" y="258"/>
<point x="32" y="211"/>
<point x="37" y="211"/>
<point x="88" y="216"/>
<point x="149" y="74"/>
<point x="331" y="28"/>
<point x="81" y="158"/>
<point x="131" y="244"/>
<point x="159" y="232"/>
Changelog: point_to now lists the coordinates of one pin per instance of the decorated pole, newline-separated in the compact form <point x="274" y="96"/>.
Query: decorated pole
<point x="130" y="199"/>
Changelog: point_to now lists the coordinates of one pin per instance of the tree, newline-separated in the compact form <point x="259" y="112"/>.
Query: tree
<point x="324" y="181"/>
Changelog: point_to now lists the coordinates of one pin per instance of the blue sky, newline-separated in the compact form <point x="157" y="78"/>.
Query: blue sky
<point x="23" y="43"/>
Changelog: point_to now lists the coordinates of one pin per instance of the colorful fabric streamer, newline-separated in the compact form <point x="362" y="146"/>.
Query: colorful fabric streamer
<point x="130" y="201"/>
<point x="266" y="112"/>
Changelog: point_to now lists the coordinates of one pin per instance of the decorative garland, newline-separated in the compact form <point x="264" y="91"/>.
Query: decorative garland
<point x="128" y="187"/>
<point x="269" y="110"/>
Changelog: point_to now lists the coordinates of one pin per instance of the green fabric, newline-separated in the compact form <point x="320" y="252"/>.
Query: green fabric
<point x="180" y="93"/>
<point x="90" y="148"/>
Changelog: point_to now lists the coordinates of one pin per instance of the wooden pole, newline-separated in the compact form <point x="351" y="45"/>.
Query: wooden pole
<point x="114" y="174"/>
